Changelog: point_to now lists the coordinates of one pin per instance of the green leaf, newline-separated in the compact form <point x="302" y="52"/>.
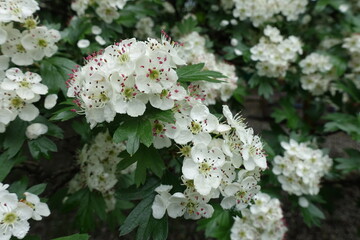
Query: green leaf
<point x="137" y="216"/>
<point x="64" y="114"/>
<point x="37" y="189"/>
<point x="312" y="215"/>
<point x="219" y="225"/>
<point x="146" y="158"/>
<point x="135" y="193"/>
<point x="14" y="137"/>
<point x="350" y="163"/>
<point x="7" y="163"/>
<point x="287" y="112"/>
<point x="41" y="146"/>
<point x="157" y="114"/>
<point x="74" y="237"/>
<point x="192" y="73"/>
<point x="344" y="122"/>
<point x="134" y="131"/>
<point x="265" y="89"/>
<point x="350" y="88"/>
<point x="19" y="187"/>
<point x="187" y="26"/>
<point x="55" y="72"/>
<point x="145" y="133"/>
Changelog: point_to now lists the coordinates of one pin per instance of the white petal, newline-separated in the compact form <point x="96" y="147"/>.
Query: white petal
<point x="202" y="185"/>
<point x="175" y="210"/>
<point x="6" y="116"/>
<point x="83" y="43"/>
<point x="50" y="101"/>
<point x="189" y="168"/>
<point x="35" y="130"/>
<point x="199" y="112"/>
<point x="29" y="112"/>
<point x="202" y="137"/>
<point x="158" y="207"/>
<point x="9" y="85"/>
<point x="4" y="62"/>
<point x="228" y="202"/>
<point x="136" y="108"/>
<point x="25" y="93"/>
<point x="39" y="88"/>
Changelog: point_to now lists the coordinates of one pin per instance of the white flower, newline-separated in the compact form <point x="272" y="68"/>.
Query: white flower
<point x="100" y="40"/>
<point x="17" y="10"/>
<point x="155" y="74"/>
<point x="96" y="30"/>
<point x="161" y="201"/>
<point x="303" y="202"/>
<point x="192" y="206"/>
<point x="204" y="167"/>
<point x="14" y="217"/>
<point x="13" y="105"/>
<point x="83" y="43"/>
<point x="14" y="49"/>
<point x="40" y="41"/>
<point x="107" y="13"/>
<point x="27" y="85"/>
<point x="35" y="130"/>
<point x="262" y="221"/>
<point x="50" y="101"/>
<point x="252" y="150"/>
<point x="40" y="209"/>
<point x="301" y="168"/>
<point x="240" y="193"/>
<point x="195" y="127"/>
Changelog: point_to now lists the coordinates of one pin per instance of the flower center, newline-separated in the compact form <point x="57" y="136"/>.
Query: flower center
<point x="164" y="93"/>
<point x="20" y="48"/>
<point x="104" y="97"/>
<point x="17" y="102"/>
<point x="42" y="43"/>
<point x="10" y="218"/>
<point x="123" y="58"/>
<point x="204" y="168"/>
<point x="185" y="151"/>
<point x="128" y="93"/>
<point x="195" y="127"/>
<point x="30" y="23"/>
<point x="158" y="128"/>
<point x="24" y="84"/>
<point x="154" y="74"/>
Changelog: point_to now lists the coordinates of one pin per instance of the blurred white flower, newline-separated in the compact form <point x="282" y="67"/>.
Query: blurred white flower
<point x="83" y="43"/>
<point x="35" y="130"/>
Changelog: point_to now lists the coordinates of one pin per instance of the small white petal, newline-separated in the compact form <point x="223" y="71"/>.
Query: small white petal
<point x="50" y="101"/>
<point x="83" y="43"/>
<point x="35" y="130"/>
<point x="96" y="30"/>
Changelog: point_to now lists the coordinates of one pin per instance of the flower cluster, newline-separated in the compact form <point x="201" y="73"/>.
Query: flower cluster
<point x="125" y="77"/>
<point x="260" y="11"/>
<point x="264" y="220"/>
<point x="33" y="43"/>
<point x="301" y="168"/>
<point x="352" y="44"/>
<point x="219" y="158"/>
<point x="18" y="92"/>
<point x="274" y="53"/>
<point x="144" y="28"/>
<point x="107" y="10"/>
<point x="317" y="73"/>
<point x="15" y="213"/>
<point x="98" y="163"/>
<point x="194" y="51"/>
